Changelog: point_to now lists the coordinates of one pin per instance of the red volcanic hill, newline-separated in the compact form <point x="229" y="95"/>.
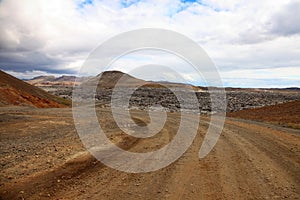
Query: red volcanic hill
<point x="108" y="80"/>
<point x="13" y="91"/>
<point x="285" y="114"/>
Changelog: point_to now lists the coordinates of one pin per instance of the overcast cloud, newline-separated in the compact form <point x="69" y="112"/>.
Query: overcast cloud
<point x="253" y="43"/>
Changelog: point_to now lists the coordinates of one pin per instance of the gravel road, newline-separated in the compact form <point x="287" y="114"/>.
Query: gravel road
<point x="42" y="158"/>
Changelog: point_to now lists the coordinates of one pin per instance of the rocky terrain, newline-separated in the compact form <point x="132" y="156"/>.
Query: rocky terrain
<point x="236" y="100"/>
<point x="153" y="94"/>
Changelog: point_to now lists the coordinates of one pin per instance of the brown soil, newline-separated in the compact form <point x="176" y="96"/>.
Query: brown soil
<point x="16" y="92"/>
<point x="43" y="158"/>
<point x="286" y="114"/>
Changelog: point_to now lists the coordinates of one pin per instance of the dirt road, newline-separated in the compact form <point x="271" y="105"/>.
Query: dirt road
<point x="43" y="158"/>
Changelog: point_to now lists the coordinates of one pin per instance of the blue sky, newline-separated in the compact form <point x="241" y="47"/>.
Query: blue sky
<point x="253" y="43"/>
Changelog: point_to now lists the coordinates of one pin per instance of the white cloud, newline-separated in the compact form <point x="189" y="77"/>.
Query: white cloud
<point x="56" y="36"/>
<point x="277" y="73"/>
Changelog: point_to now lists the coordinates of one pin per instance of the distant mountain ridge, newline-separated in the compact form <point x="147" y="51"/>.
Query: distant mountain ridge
<point x="52" y="80"/>
<point x="109" y="78"/>
<point x="292" y="88"/>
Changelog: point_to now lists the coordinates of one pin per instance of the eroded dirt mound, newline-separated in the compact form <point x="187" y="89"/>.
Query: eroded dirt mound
<point x="286" y="114"/>
<point x="16" y="92"/>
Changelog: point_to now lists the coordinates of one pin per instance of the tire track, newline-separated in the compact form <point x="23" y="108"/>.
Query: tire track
<point x="249" y="161"/>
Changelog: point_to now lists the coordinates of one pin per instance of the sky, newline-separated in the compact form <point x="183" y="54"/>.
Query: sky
<point x="252" y="43"/>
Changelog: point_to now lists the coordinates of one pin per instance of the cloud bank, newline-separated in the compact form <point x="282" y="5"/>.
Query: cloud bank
<point x="251" y="42"/>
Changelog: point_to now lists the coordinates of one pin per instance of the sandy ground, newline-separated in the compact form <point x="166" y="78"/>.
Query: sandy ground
<point x="42" y="158"/>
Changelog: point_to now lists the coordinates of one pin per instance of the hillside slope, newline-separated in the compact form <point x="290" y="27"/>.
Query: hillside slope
<point x="285" y="114"/>
<point x="17" y="92"/>
<point x="109" y="79"/>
